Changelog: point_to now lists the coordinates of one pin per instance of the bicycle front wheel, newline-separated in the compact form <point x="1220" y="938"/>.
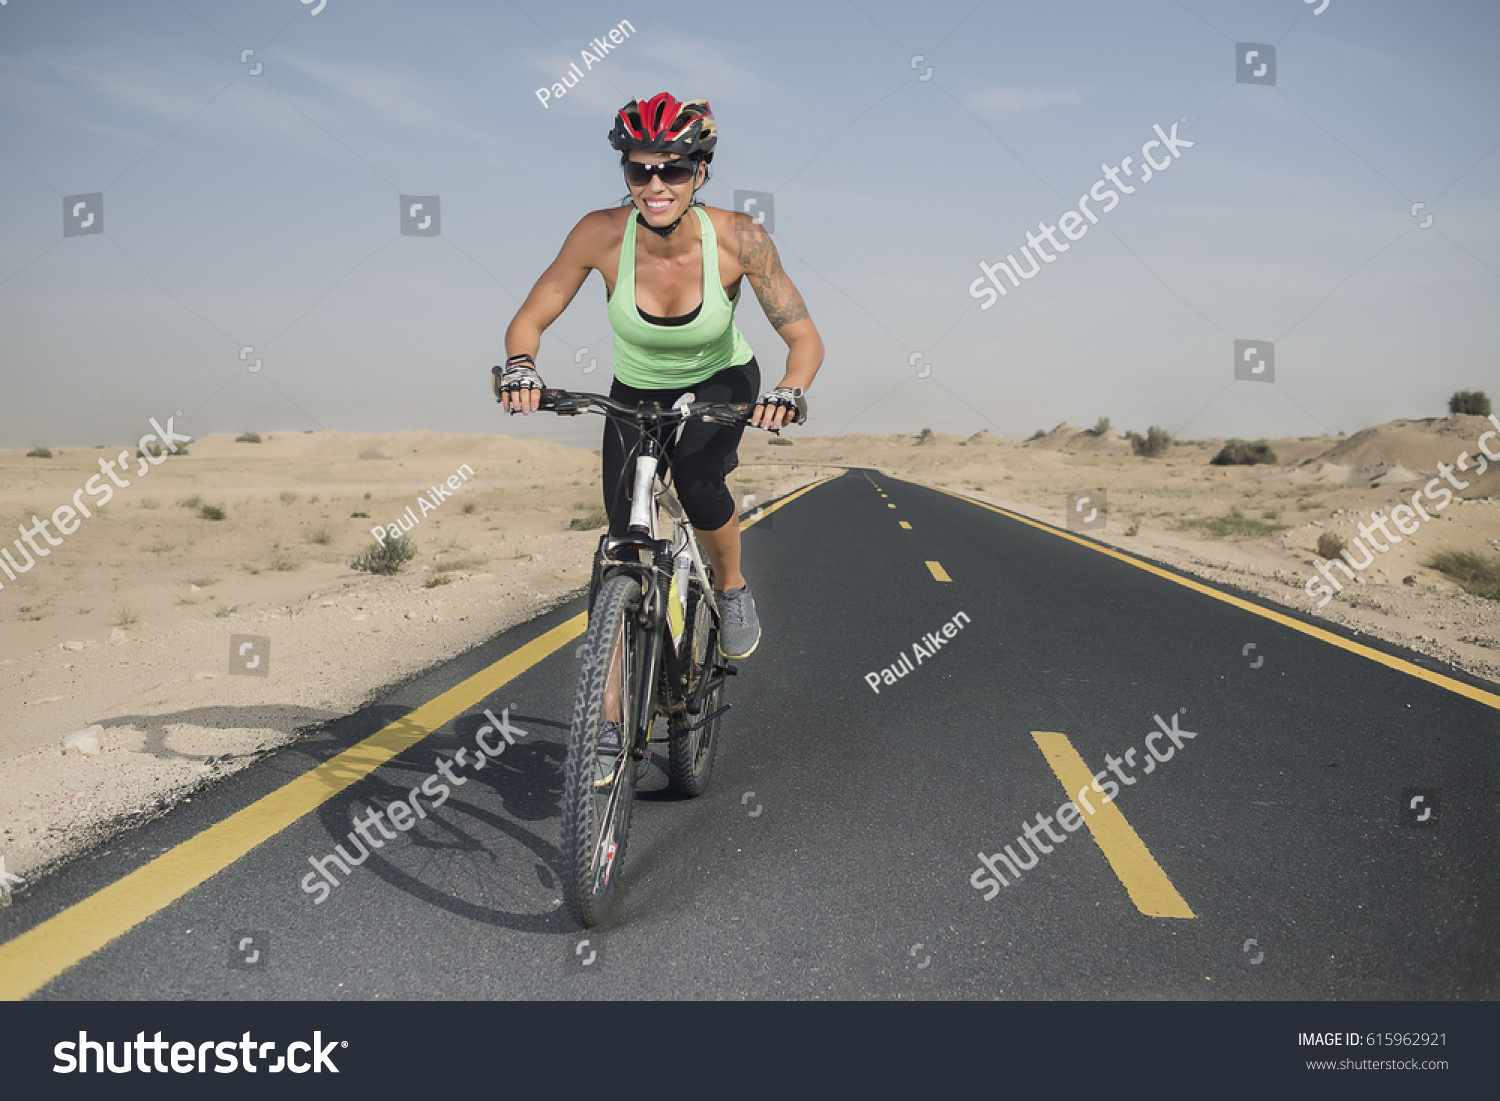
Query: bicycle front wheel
<point x="599" y="777"/>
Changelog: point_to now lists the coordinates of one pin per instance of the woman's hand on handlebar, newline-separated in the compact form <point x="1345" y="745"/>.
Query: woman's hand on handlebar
<point x="778" y="408"/>
<point x="517" y="385"/>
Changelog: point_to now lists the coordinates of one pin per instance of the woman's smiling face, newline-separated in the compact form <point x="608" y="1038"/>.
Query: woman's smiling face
<point x="659" y="202"/>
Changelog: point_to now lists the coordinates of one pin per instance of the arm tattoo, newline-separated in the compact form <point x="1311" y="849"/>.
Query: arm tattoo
<point x="757" y="255"/>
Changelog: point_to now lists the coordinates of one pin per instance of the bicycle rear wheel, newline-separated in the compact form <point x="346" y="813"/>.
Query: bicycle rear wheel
<point x="599" y="782"/>
<point x="691" y="752"/>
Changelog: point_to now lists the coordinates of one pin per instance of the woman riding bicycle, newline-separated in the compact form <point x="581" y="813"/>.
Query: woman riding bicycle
<point x="672" y="296"/>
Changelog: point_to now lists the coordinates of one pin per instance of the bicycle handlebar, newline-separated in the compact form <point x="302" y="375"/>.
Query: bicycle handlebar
<point x="570" y="404"/>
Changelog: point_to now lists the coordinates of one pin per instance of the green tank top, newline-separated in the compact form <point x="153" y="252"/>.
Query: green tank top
<point x="662" y="357"/>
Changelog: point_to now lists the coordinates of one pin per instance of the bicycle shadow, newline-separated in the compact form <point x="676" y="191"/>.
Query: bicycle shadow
<point x="473" y="853"/>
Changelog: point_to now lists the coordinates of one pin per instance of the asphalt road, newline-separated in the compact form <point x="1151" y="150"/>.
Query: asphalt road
<point x="833" y="855"/>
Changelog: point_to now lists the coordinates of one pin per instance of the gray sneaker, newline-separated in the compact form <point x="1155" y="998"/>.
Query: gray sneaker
<point x="739" y="632"/>
<point x="609" y="750"/>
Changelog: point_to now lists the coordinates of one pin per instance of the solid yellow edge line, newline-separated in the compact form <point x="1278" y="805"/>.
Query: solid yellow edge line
<point x="1490" y="699"/>
<point x="1143" y="878"/>
<point x="938" y="573"/>
<point x="788" y="499"/>
<point x="38" y="956"/>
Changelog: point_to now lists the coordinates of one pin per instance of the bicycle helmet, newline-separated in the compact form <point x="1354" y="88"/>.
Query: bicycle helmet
<point x="662" y="124"/>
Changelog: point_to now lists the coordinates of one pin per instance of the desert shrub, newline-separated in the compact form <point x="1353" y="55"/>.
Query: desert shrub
<point x="39" y="453"/>
<point x="1475" y="573"/>
<point x="1472" y="402"/>
<point x="159" y="451"/>
<point x="1101" y="426"/>
<point x="287" y="496"/>
<point x="434" y="582"/>
<point x="320" y="536"/>
<point x="1242" y="453"/>
<point x="779" y="442"/>
<point x="469" y="507"/>
<point x="596" y="518"/>
<point x="1330" y="545"/>
<point x="282" y="564"/>
<point x="190" y="502"/>
<point x="212" y="512"/>
<point x="1236" y="523"/>
<point x="1038" y="434"/>
<point x="385" y="558"/>
<point x="248" y="437"/>
<point x="924" y="437"/>
<point x="1153" y="444"/>
<point x="359" y="515"/>
<point x="473" y="562"/>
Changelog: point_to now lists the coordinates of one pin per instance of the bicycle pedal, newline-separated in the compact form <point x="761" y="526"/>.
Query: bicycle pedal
<point x="731" y="671"/>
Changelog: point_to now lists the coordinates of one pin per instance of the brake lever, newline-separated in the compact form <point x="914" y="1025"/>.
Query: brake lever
<point x="562" y="403"/>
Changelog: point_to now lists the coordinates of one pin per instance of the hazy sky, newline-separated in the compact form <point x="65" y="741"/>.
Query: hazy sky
<point x="261" y="209"/>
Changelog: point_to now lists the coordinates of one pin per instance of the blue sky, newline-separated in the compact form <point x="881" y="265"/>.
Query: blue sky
<point x="262" y="210"/>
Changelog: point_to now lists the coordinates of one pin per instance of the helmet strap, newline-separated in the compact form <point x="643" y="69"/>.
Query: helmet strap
<point x="664" y="230"/>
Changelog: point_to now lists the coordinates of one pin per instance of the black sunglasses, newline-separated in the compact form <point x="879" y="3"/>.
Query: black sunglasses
<point x="671" y="173"/>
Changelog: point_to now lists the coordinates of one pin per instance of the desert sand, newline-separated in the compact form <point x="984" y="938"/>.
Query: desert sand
<point x="125" y="626"/>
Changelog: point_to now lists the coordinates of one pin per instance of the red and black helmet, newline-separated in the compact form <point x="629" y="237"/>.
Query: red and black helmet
<point x="663" y="125"/>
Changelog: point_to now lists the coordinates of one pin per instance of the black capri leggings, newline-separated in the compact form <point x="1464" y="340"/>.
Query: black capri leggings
<point x="699" y="461"/>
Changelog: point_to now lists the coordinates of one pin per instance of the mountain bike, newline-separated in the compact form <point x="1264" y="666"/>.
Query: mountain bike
<point x="650" y="651"/>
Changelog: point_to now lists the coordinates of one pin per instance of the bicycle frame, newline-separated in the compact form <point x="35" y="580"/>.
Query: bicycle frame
<point x="664" y="567"/>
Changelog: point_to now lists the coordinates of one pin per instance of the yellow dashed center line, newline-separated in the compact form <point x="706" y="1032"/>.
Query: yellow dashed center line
<point x="890" y="506"/>
<point x="904" y="524"/>
<point x="1143" y="878"/>
<point x="938" y="572"/>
